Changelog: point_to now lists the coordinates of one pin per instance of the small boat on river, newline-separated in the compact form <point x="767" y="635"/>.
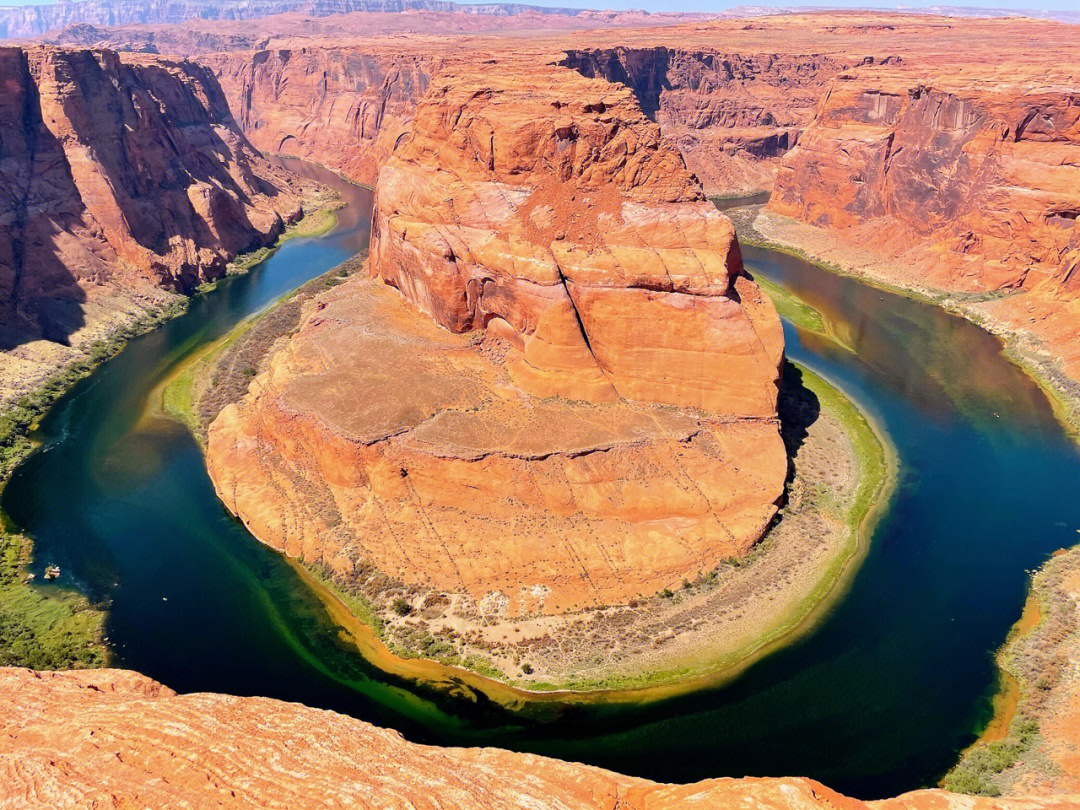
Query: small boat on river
<point x="52" y="572"/>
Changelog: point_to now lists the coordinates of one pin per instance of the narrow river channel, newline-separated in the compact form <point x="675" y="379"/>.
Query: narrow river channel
<point x="876" y="700"/>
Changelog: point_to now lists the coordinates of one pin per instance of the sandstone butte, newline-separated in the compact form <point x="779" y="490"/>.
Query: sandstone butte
<point x="120" y="176"/>
<point x="571" y="399"/>
<point x="109" y="738"/>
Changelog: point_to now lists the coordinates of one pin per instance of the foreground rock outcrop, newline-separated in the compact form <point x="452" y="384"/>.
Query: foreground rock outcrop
<point x="568" y="402"/>
<point x="118" y="739"/>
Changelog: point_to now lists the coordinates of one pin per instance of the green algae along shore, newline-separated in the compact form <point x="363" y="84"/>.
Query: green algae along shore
<point x="48" y="625"/>
<point x="842" y="472"/>
<point x="760" y="228"/>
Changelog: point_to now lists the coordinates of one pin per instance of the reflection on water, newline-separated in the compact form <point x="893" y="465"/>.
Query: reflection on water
<point x="877" y="700"/>
<point x="942" y="366"/>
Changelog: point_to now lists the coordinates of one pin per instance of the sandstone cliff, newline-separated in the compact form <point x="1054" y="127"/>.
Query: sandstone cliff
<point x="118" y="173"/>
<point x="547" y="207"/>
<point x="570" y="404"/>
<point x="984" y="170"/>
<point x="118" y="739"/>
<point x="731" y="114"/>
<point x="345" y="107"/>
<point x="967" y="183"/>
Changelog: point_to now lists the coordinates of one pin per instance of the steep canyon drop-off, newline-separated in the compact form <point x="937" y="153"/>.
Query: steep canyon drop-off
<point x="451" y="232"/>
<point x="120" y="177"/>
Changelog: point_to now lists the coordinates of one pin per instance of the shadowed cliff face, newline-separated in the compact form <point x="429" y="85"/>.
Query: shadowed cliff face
<point x="731" y="114"/>
<point x="309" y="102"/>
<point x="116" y="173"/>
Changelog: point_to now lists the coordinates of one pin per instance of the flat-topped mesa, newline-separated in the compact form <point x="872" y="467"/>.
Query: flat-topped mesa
<point x="527" y="458"/>
<point x="546" y="207"/>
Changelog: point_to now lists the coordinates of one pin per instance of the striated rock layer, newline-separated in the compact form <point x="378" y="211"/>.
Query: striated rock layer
<point x="963" y="182"/>
<point x="118" y="739"/>
<point x="731" y="114"/>
<point x="547" y="208"/>
<point x="579" y="405"/>
<point x="119" y="171"/>
<point x="312" y="101"/>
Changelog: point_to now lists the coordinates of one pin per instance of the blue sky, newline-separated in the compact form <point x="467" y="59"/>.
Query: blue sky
<point x="716" y="5"/>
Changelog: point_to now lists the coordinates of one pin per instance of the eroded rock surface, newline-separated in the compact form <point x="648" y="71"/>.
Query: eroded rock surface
<point x="547" y="208"/>
<point x="118" y="739"/>
<point x="116" y="172"/>
<point x="966" y="182"/>
<point x="569" y="401"/>
<point x="381" y="442"/>
<point x="731" y="114"/>
<point x="312" y="102"/>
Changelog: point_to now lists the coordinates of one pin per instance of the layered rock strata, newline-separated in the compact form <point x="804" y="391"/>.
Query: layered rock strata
<point x="344" y="107"/>
<point x="548" y="209"/>
<point x="731" y="114"/>
<point x="965" y="183"/>
<point x="571" y="402"/>
<point x="118" y="172"/>
<point x="118" y="739"/>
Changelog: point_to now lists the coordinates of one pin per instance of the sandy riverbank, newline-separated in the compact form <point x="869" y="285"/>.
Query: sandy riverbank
<point x="1029" y="746"/>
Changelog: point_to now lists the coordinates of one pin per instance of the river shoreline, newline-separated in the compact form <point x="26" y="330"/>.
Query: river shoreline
<point x="57" y="627"/>
<point x="990" y="765"/>
<point x="760" y="228"/>
<point x="699" y="670"/>
<point x="706" y="654"/>
<point x="1029" y="736"/>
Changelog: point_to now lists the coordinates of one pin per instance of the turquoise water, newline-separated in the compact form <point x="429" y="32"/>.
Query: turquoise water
<point x="878" y="699"/>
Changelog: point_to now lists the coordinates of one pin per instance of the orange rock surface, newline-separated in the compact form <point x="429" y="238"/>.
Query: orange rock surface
<point x="963" y="181"/>
<point x="983" y="169"/>
<point x="310" y="102"/>
<point x="110" y="738"/>
<point x="378" y="440"/>
<point x="546" y="210"/>
<point x="119" y="170"/>
<point x="546" y="207"/>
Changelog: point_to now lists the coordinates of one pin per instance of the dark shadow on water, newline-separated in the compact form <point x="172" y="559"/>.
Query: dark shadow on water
<point x="798" y="408"/>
